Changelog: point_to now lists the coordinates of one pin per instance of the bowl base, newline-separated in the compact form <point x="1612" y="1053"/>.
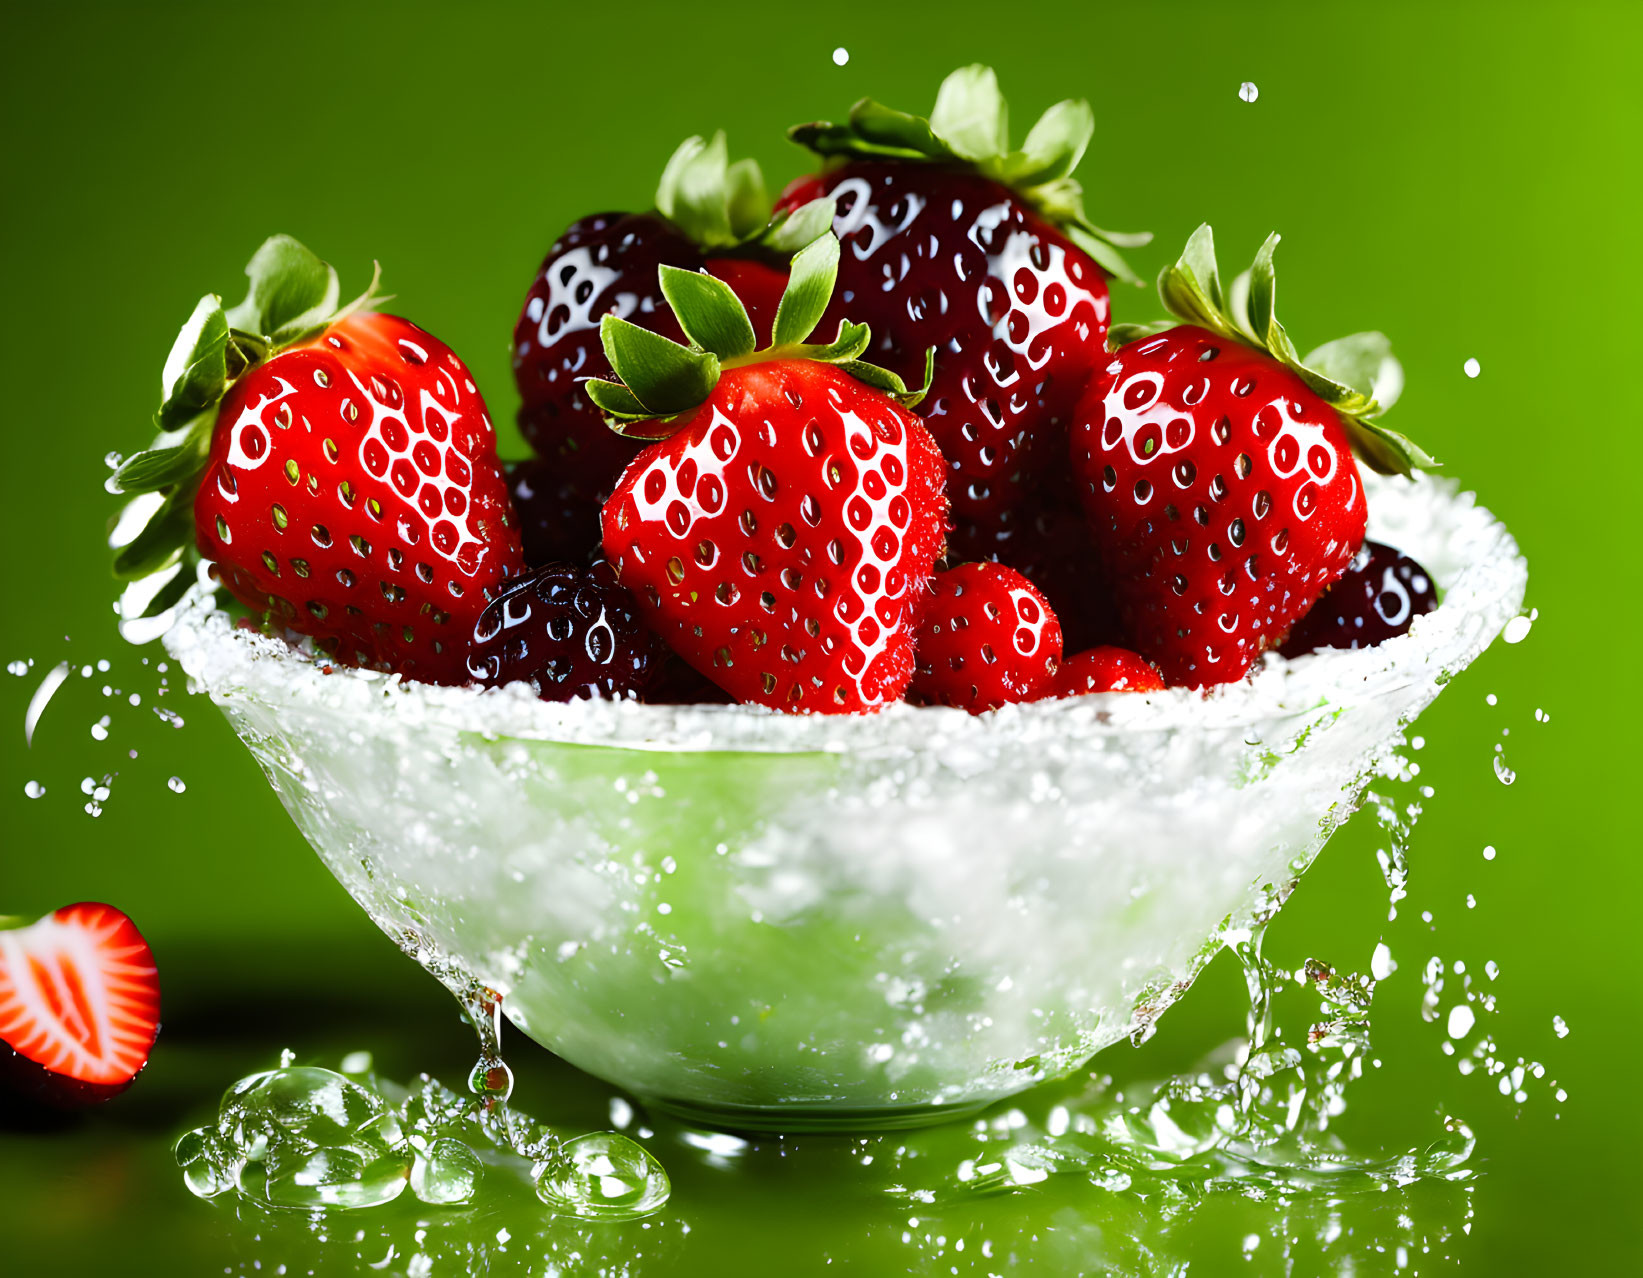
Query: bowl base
<point x="796" y="1120"/>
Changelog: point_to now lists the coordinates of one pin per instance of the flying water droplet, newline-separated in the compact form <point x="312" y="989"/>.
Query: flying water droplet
<point x="1248" y="92"/>
<point x="18" y="668"/>
<point x="1517" y="629"/>
<point x="604" y="1176"/>
<point x="33" y="789"/>
<point x="1472" y="368"/>
<point x="841" y="56"/>
<point x="1560" y="1027"/>
<point x="176" y="785"/>
<point x="1503" y="774"/>
<point x="42" y="698"/>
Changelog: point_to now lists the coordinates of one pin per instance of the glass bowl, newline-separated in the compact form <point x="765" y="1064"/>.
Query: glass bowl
<point x="770" y="921"/>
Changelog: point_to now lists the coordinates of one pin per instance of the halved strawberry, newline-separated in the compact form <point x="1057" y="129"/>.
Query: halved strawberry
<point x="79" y="1004"/>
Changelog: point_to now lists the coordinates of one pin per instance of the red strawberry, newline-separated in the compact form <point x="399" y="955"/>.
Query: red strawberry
<point x="571" y="632"/>
<point x="1217" y="469"/>
<point x="954" y="241"/>
<point x="778" y="537"/>
<point x="1105" y="669"/>
<point x="341" y="469"/>
<point x="606" y="264"/>
<point x="1380" y="595"/>
<point x="986" y="637"/>
<point x="79" y="1004"/>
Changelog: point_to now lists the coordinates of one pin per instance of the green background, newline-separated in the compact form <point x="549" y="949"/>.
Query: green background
<point x="1464" y="177"/>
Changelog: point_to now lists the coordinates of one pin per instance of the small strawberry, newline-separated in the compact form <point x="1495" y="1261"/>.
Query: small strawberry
<point x="1379" y="597"/>
<point x="955" y="241"/>
<point x="337" y="466"/>
<point x="986" y="637"/>
<point x="570" y="632"/>
<point x="709" y="213"/>
<point x="1105" y="669"/>
<point x="79" y="1004"/>
<point x="1217" y="468"/>
<point x="779" y="533"/>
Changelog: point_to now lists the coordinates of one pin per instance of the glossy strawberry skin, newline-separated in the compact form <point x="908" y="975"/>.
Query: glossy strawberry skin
<point x="1105" y="669"/>
<point x="572" y="632"/>
<point x="1378" y="598"/>
<point x="353" y="493"/>
<point x="780" y="540"/>
<point x="1017" y="314"/>
<point x="602" y="265"/>
<point x="1222" y="495"/>
<point x="986" y="637"/>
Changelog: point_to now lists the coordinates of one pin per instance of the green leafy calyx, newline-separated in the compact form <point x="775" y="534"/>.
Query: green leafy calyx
<point x="720" y="204"/>
<point x="1357" y="376"/>
<point x="293" y="296"/>
<point x="661" y="379"/>
<point x="969" y="126"/>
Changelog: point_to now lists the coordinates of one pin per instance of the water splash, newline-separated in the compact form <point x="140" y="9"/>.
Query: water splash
<point x="314" y="1139"/>
<point x="1248" y="92"/>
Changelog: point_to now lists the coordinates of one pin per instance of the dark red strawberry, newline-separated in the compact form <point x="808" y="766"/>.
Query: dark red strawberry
<point x="571" y="632"/>
<point x="555" y="516"/>
<point x="1379" y="597"/>
<point x="1105" y="669"/>
<point x="709" y="213"/>
<point x="337" y="466"/>
<point x="986" y="637"/>
<point x="1217" y="469"/>
<point x="79" y="1005"/>
<point x="955" y="241"/>
<point x="779" y="534"/>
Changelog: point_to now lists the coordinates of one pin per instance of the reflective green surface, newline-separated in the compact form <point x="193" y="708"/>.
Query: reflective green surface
<point x="1463" y="177"/>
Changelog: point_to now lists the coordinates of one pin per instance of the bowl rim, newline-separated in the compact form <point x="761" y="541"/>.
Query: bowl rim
<point x="1481" y="573"/>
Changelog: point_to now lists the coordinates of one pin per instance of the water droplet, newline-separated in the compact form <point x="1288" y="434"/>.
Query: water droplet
<point x="99" y="730"/>
<point x="18" y="668"/>
<point x="604" y="1176"/>
<point x="1560" y="1027"/>
<point x="1517" y="630"/>
<point x="1472" y="367"/>
<point x="1461" y="1020"/>
<point x="1503" y="773"/>
<point x="33" y="789"/>
<point x="446" y="1172"/>
<point x="841" y="56"/>
<point x="1248" y="92"/>
<point x="176" y="785"/>
<point x="1489" y="852"/>
<point x="42" y="697"/>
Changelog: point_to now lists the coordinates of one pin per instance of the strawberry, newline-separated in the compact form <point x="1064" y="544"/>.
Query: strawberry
<point x="1217" y="472"/>
<point x="570" y="632"/>
<point x="707" y="210"/>
<point x="986" y="637"/>
<point x="955" y="241"/>
<point x="337" y="466"/>
<point x="1378" y="597"/>
<point x="79" y="1004"/>
<point x="1105" y="669"/>
<point x="779" y="532"/>
<point x="554" y="513"/>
